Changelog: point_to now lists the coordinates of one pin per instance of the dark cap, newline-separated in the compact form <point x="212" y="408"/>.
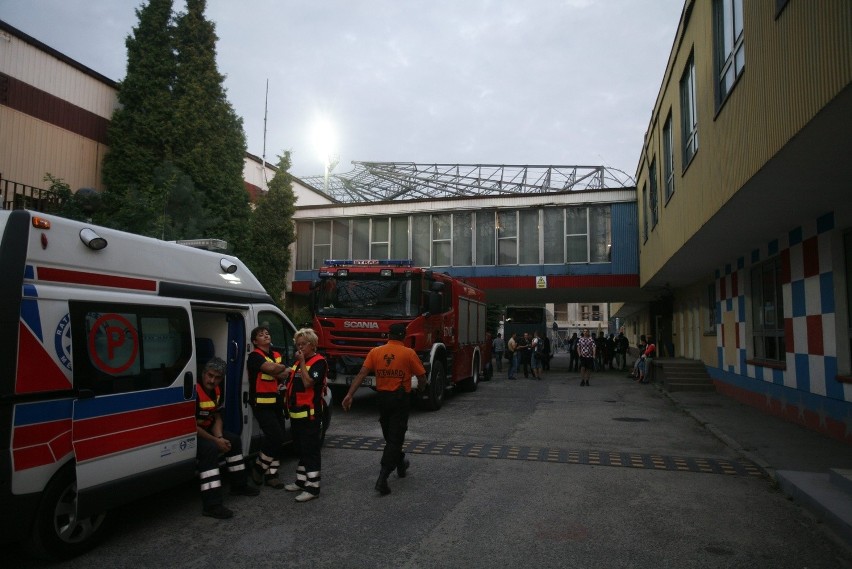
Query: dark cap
<point x="397" y="331"/>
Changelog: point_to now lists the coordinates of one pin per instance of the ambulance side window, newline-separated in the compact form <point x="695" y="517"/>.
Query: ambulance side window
<point x="125" y="347"/>
<point x="281" y="332"/>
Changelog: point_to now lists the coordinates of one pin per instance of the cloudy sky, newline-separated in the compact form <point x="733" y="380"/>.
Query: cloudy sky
<point x="538" y="82"/>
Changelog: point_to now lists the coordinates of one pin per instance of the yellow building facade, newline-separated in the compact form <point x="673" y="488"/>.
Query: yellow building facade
<point x="744" y="219"/>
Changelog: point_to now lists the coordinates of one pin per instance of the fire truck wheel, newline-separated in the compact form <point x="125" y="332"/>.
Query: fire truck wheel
<point x="58" y="533"/>
<point x="436" y="387"/>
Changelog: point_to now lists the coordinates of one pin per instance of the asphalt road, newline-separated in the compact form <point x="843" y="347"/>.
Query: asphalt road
<point x="519" y="473"/>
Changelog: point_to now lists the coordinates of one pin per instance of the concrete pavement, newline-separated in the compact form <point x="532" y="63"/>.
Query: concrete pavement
<point x="811" y="468"/>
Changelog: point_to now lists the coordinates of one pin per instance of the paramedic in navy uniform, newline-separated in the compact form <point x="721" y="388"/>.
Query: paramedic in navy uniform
<point x="214" y="441"/>
<point x="305" y="407"/>
<point x="265" y="367"/>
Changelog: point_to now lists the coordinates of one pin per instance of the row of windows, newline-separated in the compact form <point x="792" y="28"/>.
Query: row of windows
<point x="534" y="236"/>
<point x="729" y="63"/>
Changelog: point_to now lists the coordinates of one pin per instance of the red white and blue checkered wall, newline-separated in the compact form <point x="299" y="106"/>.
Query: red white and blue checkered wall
<point x="808" y="387"/>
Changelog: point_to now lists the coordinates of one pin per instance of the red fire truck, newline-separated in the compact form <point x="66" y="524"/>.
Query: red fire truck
<point x="355" y="303"/>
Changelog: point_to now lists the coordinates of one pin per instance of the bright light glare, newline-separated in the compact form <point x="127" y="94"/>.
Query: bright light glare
<point x="325" y="141"/>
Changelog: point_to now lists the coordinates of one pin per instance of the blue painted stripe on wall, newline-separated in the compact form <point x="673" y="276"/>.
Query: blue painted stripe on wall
<point x="803" y="372"/>
<point x="773" y="247"/>
<point x="837" y="409"/>
<point x="833" y="388"/>
<point x="741" y="317"/>
<point x="778" y="376"/>
<point x="797" y="289"/>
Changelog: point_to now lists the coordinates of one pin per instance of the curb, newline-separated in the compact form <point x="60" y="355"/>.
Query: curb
<point x="729" y="441"/>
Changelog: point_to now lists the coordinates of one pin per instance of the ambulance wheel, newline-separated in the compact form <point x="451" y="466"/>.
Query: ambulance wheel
<point x="435" y="388"/>
<point x="58" y="533"/>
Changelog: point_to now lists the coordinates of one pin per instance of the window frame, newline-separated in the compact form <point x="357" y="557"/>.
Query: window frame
<point x="762" y="333"/>
<point x="510" y="241"/>
<point x="88" y="374"/>
<point x="668" y="158"/>
<point x="688" y="114"/>
<point x="728" y="46"/>
<point x="652" y="188"/>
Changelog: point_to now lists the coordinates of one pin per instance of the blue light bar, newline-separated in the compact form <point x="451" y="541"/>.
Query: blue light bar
<point x="379" y="262"/>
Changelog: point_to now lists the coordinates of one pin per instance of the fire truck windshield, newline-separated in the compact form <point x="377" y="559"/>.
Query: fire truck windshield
<point x="368" y="295"/>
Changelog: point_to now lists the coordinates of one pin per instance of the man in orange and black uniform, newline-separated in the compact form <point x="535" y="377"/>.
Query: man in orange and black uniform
<point x="214" y="441"/>
<point x="393" y="365"/>
<point x="265" y="366"/>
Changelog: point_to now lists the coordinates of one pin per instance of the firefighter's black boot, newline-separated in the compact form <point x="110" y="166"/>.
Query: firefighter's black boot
<point x="382" y="483"/>
<point x="402" y="468"/>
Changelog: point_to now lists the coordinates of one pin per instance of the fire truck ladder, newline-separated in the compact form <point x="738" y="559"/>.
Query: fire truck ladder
<point x="401" y="181"/>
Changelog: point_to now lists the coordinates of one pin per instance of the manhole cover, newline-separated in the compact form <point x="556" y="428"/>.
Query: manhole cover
<point x="630" y="419"/>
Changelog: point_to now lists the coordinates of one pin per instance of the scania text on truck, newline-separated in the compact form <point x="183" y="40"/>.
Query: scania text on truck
<point x="104" y="336"/>
<point x="355" y="302"/>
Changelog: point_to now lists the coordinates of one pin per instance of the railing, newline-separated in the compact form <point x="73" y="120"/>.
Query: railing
<point x="21" y="196"/>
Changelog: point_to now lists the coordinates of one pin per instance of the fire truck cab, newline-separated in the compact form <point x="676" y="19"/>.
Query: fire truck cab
<point x="355" y="302"/>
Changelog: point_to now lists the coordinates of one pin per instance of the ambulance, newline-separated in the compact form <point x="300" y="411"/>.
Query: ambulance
<point x="104" y="335"/>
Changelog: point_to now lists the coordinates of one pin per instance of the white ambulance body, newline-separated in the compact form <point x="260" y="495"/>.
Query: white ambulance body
<point x="103" y="337"/>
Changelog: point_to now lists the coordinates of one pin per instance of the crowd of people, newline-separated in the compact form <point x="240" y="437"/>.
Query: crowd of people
<point x="527" y="353"/>
<point x="278" y="391"/>
<point x="530" y="354"/>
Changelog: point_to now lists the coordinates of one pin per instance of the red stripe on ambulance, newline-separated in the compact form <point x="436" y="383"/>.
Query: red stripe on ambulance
<point x="44" y="443"/>
<point x="96" y="447"/>
<point x="94" y="279"/>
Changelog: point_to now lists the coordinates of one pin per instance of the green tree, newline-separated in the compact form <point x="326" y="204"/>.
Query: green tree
<point x="140" y="130"/>
<point x="272" y="231"/>
<point x="208" y="139"/>
<point x="493" y="315"/>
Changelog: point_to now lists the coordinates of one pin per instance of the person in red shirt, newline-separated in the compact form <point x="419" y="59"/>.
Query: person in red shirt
<point x="647" y="358"/>
<point x="393" y="365"/>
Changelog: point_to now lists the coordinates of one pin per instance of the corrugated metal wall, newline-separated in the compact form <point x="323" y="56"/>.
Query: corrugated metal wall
<point x="794" y="66"/>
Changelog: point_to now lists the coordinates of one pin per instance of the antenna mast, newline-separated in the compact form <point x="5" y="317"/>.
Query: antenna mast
<point x="265" y="110"/>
